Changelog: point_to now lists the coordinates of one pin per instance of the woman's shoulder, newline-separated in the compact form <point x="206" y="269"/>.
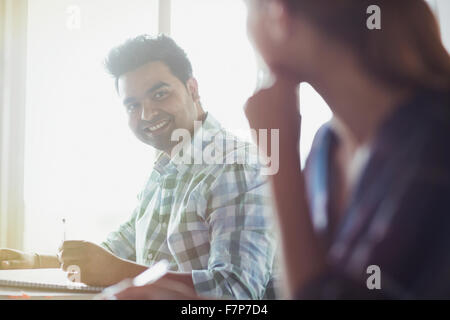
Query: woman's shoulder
<point x="427" y="109"/>
<point x="435" y="108"/>
<point x="322" y="141"/>
<point x="421" y="123"/>
<point x="430" y="122"/>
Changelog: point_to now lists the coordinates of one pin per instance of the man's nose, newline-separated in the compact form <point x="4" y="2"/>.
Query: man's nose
<point x="148" y="112"/>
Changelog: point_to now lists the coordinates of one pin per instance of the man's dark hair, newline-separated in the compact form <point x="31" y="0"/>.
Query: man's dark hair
<point x="136" y="52"/>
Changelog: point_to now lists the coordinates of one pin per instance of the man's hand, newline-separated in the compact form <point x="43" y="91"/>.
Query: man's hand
<point x="15" y="259"/>
<point x="98" y="267"/>
<point x="163" y="289"/>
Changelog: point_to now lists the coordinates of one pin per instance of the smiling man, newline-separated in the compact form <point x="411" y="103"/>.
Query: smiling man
<point x="157" y="101"/>
<point x="212" y="222"/>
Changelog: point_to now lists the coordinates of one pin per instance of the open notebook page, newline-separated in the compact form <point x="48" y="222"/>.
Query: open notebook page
<point x="42" y="279"/>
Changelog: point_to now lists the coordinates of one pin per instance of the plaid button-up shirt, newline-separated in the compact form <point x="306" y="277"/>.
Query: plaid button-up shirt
<point x="213" y="220"/>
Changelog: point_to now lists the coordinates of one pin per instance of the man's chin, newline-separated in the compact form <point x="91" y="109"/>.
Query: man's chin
<point x="159" y="144"/>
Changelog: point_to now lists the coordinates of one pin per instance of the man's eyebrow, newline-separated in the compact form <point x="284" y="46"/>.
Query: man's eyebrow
<point x="157" y="86"/>
<point x="128" y="100"/>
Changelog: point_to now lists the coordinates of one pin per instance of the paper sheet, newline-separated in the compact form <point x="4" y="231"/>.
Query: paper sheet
<point x="47" y="276"/>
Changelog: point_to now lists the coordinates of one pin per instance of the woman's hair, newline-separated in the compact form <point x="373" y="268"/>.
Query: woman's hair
<point x="406" y="52"/>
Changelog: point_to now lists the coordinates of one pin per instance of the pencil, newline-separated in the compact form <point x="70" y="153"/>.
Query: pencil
<point x="64" y="229"/>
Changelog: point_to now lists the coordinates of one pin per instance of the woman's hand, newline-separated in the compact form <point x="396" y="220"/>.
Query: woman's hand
<point x="276" y="108"/>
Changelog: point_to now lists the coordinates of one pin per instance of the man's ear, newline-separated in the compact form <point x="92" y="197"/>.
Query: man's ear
<point x="192" y="87"/>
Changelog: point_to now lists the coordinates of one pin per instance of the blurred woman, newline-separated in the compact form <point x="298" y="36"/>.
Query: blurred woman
<point x="369" y="217"/>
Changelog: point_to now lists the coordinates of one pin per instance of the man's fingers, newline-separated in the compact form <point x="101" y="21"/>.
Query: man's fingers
<point x="72" y="244"/>
<point x="4" y="264"/>
<point x="7" y="254"/>
<point x="13" y="264"/>
<point x="70" y="254"/>
<point x="65" y="266"/>
<point x="71" y="250"/>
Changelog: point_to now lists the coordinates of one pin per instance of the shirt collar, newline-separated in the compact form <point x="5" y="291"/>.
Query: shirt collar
<point x="203" y="135"/>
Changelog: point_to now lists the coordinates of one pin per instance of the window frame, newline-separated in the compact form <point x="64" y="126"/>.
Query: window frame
<point x="13" y="67"/>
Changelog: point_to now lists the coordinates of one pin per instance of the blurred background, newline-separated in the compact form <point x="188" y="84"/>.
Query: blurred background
<point x="65" y="147"/>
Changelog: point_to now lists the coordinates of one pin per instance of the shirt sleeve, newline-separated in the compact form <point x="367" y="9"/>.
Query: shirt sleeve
<point x="408" y="239"/>
<point x="242" y="245"/>
<point x="122" y="242"/>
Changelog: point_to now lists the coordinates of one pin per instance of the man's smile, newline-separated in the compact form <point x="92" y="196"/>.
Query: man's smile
<point x="156" y="127"/>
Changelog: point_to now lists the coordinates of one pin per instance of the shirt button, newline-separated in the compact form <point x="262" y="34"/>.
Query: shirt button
<point x="150" y="256"/>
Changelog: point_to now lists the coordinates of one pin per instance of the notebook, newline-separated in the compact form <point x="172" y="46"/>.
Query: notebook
<point x="43" y="279"/>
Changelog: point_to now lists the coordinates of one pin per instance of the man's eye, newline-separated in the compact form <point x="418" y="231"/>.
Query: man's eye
<point x="132" y="107"/>
<point x="160" y="94"/>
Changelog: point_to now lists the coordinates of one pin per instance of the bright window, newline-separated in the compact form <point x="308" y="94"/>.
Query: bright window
<point x="213" y="32"/>
<point x="82" y="162"/>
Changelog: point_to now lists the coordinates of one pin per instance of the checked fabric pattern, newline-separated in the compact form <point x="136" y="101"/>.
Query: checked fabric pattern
<point x="213" y="220"/>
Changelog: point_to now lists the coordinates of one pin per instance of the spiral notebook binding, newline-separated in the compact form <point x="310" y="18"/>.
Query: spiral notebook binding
<point x="51" y="287"/>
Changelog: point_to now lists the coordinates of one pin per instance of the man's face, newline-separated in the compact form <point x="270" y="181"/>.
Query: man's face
<point x="157" y="103"/>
